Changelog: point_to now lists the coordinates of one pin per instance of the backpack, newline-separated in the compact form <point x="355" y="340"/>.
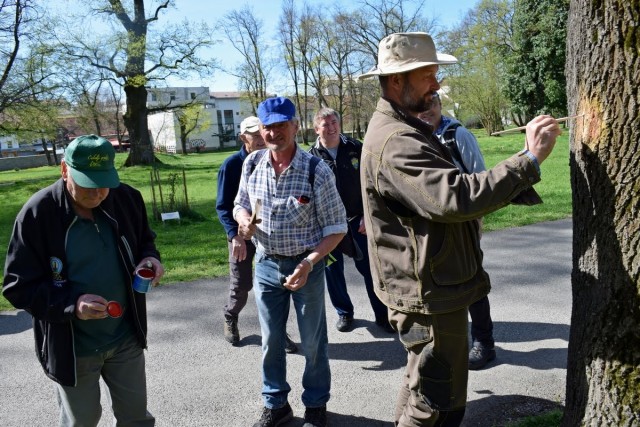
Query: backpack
<point x="449" y="141"/>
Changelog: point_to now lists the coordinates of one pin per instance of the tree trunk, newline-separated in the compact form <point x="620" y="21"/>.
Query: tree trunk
<point x="135" y="120"/>
<point x="603" y="81"/>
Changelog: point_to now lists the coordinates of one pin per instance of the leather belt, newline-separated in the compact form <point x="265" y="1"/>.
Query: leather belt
<point x="285" y="257"/>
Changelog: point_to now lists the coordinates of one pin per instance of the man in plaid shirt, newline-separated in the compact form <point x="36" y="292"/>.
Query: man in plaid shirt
<point x="294" y="221"/>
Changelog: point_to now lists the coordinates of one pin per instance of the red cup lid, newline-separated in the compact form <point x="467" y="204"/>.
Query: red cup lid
<point x="114" y="309"/>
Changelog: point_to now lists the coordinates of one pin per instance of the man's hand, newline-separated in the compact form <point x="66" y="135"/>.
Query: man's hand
<point x="542" y="132"/>
<point x="246" y="228"/>
<point x="361" y="227"/>
<point x="91" y="306"/>
<point x="155" y="265"/>
<point x="298" y="278"/>
<point x="238" y="248"/>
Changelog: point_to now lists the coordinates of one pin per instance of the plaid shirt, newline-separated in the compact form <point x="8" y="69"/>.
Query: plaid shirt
<point x="295" y="216"/>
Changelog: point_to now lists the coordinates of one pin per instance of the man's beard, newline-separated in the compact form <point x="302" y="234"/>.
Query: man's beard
<point x="412" y="101"/>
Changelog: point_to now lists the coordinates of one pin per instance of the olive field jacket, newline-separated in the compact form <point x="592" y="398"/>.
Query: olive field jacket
<point x="420" y="213"/>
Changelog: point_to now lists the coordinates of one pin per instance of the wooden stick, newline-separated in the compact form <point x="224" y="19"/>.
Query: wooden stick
<point x="560" y="120"/>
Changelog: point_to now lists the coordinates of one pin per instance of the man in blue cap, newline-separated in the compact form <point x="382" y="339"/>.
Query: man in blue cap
<point x="72" y="255"/>
<point x="288" y="203"/>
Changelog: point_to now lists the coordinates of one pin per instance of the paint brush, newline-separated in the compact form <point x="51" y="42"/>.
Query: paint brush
<point x="560" y="120"/>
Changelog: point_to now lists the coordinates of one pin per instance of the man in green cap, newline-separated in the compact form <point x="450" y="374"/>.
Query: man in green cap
<point x="71" y="259"/>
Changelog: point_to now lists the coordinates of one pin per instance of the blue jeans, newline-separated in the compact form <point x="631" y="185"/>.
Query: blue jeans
<point x="337" y="285"/>
<point x="273" y="302"/>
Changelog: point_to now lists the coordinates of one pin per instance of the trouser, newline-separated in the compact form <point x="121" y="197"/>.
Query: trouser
<point x="481" y="323"/>
<point x="240" y="281"/>
<point x="123" y="371"/>
<point x="434" y="386"/>
<point x="273" y="301"/>
<point x="337" y="285"/>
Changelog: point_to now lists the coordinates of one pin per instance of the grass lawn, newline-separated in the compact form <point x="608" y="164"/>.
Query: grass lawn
<point x="196" y="246"/>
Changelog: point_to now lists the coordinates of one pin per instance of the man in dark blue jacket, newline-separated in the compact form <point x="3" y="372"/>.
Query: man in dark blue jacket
<point x="241" y="252"/>
<point x="72" y="255"/>
<point x="342" y="154"/>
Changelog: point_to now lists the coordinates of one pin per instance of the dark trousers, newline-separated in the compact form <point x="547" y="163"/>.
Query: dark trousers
<point x="337" y="285"/>
<point x="481" y="323"/>
<point x="433" y="392"/>
<point x="240" y="281"/>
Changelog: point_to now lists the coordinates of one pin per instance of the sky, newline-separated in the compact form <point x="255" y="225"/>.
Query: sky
<point x="447" y="13"/>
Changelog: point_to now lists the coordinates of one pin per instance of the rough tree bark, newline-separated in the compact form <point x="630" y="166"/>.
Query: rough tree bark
<point x="603" y="83"/>
<point x="135" y="119"/>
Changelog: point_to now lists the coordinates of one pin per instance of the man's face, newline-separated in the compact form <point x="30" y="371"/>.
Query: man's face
<point x="84" y="198"/>
<point x="252" y="141"/>
<point x="279" y="136"/>
<point x="328" y="129"/>
<point x="418" y="87"/>
<point x="434" y="114"/>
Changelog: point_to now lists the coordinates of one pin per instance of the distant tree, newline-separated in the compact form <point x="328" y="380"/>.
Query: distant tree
<point x="535" y="67"/>
<point x="476" y="83"/>
<point x="246" y="34"/>
<point x="296" y="37"/>
<point x="29" y="68"/>
<point x="603" y="77"/>
<point x="372" y="20"/>
<point x="136" y="54"/>
<point x="191" y="119"/>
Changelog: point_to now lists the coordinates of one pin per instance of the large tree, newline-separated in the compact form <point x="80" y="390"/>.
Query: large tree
<point x="603" y="81"/>
<point x="138" y="51"/>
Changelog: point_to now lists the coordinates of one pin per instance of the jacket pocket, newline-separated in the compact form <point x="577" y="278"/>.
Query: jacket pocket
<point x="456" y="262"/>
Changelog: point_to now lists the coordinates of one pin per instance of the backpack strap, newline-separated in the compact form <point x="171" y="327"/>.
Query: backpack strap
<point x="449" y="141"/>
<point x="313" y="163"/>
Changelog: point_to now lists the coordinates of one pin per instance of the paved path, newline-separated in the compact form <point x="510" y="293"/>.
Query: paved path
<point x="196" y="379"/>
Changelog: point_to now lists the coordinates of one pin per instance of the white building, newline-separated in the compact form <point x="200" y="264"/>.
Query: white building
<point x="225" y="112"/>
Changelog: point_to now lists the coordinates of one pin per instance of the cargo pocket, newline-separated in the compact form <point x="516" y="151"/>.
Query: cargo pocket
<point x="456" y="261"/>
<point x="435" y="380"/>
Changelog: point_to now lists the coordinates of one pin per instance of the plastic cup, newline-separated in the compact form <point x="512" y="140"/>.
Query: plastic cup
<point x="142" y="280"/>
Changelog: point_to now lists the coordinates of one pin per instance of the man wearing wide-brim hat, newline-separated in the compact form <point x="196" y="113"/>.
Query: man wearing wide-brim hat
<point x="420" y="211"/>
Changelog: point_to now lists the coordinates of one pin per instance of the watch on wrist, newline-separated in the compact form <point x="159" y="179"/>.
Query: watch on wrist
<point x="309" y="262"/>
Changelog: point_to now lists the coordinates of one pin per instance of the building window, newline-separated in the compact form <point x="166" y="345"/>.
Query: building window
<point x="154" y="97"/>
<point x="193" y="95"/>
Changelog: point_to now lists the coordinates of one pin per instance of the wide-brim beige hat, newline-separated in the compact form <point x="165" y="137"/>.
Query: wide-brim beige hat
<point x="403" y="52"/>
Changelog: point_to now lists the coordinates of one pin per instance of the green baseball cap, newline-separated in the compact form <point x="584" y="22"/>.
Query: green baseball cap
<point x="90" y="161"/>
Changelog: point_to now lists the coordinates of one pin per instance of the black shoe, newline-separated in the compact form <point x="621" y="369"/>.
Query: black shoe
<point x="385" y="326"/>
<point x="290" y="346"/>
<point x="231" y="333"/>
<point x="344" y="323"/>
<point x="315" y="417"/>
<point x="274" y="417"/>
<point x="479" y="356"/>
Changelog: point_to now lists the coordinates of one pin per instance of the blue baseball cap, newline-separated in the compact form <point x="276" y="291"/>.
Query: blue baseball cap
<point x="276" y="110"/>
